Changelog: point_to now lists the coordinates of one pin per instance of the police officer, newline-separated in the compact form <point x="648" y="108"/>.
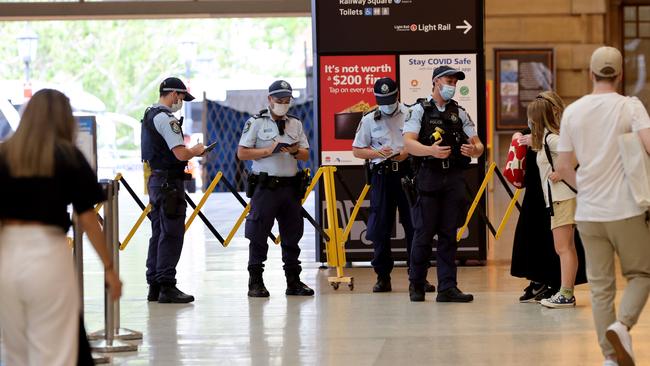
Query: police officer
<point x="166" y="154"/>
<point x="379" y="140"/>
<point x="275" y="141"/>
<point x="441" y="133"/>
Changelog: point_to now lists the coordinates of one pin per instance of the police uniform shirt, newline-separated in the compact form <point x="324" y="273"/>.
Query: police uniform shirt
<point x="262" y="132"/>
<point x="168" y="127"/>
<point x="414" y="121"/>
<point x="384" y="132"/>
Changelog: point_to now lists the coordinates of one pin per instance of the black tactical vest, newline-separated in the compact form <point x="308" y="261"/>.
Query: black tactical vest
<point x="154" y="148"/>
<point x="450" y="128"/>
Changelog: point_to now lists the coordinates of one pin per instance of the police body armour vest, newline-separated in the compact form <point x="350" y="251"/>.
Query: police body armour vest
<point x="154" y="148"/>
<point x="449" y="127"/>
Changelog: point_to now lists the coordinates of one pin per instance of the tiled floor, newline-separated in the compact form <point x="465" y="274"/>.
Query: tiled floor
<point x="224" y="327"/>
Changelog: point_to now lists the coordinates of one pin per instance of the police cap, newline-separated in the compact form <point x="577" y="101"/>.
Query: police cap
<point x="385" y="91"/>
<point x="447" y="71"/>
<point x="175" y="84"/>
<point x="280" y="89"/>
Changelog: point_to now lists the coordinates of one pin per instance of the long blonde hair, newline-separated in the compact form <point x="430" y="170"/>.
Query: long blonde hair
<point x="545" y="112"/>
<point x="46" y="126"/>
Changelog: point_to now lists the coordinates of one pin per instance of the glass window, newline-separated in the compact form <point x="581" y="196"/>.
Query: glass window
<point x="630" y="30"/>
<point x="644" y="13"/>
<point x="629" y="13"/>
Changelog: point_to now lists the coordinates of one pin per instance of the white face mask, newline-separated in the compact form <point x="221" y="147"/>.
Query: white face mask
<point x="388" y="109"/>
<point x="280" y="109"/>
<point x="177" y="106"/>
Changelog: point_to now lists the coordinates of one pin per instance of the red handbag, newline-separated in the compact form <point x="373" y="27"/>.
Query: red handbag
<point x="515" y="169"/>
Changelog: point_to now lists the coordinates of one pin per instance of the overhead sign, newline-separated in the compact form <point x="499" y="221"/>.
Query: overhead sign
<point x="397" y="25"/>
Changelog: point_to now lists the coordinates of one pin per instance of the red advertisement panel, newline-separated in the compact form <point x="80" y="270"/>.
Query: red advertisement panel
<point x="346" y="93"/>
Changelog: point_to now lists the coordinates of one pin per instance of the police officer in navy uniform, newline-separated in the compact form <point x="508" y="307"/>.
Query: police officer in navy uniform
<point x="379" y="140"/>
<point x="275" y="141"/>
<point x="441" y="134"/>
<point x="166" y="154"/>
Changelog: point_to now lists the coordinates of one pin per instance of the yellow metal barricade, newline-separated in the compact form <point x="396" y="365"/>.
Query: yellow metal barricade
<point x="479" y="194"/>
<point x="207" y="193"/>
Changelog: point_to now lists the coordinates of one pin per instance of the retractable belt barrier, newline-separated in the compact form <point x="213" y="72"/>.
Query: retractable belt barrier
<point x="110" y="338"/>
<point x="514" y="197"/>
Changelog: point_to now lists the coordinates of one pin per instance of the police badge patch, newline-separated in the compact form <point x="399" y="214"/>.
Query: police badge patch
<point x="454" y="118"/>
<point x="247" y="126"/>
<point x="176" y="128"/>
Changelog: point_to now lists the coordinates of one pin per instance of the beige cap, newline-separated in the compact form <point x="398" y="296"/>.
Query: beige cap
<point x="606" y="62"/>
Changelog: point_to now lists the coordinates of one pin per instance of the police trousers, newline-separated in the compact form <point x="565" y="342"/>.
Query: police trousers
<point x="387" y="196"/>
<point x="437" y="211"/>
<point x="167" y="229"/>
<point x="267" y="205"/>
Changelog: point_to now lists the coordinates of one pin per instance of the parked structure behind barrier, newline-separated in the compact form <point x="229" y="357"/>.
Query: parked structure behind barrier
<point x="224" y="125"/>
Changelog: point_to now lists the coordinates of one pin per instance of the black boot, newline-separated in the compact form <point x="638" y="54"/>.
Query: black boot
<point x="429" y="287"/>
<point x="382" y="285"/>
<point x="154" y="291"/>
<point x="171" y="294"/>
<point x="453" y="294"/>
<point x="294" y="286"/>
<point x="256" y="286"/>
<point x="416" y="292"/>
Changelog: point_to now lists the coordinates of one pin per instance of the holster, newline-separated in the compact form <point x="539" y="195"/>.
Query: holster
<point x="410" y="189"/>
<point x="303" y="179"/>
<point x="171" y="200"/>
<point x="252" y="182"/>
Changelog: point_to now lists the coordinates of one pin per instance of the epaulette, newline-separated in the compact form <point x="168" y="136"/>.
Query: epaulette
<point x="292" y="116"/>
<point x="424" y="102"/>
<point x="376" y="113"/>
<point x="262" y="113"/>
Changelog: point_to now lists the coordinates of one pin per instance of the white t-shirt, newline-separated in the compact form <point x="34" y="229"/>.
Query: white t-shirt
<point x="590" y="127"/>
<point x="559" y="191"/>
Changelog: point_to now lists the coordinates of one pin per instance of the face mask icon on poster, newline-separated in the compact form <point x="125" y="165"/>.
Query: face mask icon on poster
<point x="388" y="109"/>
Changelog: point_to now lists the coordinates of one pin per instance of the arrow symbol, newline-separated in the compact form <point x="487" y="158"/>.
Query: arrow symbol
<point x="466" y="27"/>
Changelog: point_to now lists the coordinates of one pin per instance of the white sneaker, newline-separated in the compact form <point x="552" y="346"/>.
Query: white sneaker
<point x="610" y="362"/>
<point x="618" y="335"/>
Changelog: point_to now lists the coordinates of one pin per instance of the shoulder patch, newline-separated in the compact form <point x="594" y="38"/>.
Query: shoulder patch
<point x="176" y="128"/>
<point x="247" y="126"/>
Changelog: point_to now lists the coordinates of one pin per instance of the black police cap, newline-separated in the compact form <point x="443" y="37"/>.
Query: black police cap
<point x="175" y="84"/>
<point x="280" y="89"/>
<point x="385" y="91"/>
<point x="447" y="71"/>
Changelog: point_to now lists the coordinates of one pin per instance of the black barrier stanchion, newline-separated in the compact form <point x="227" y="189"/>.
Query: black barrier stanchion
<point x="207" y="223"/>
<point x="507" y="188"/>
<point x="132" y="193"/>
<point x="481" y="212"/>
<point x="239" y="198"/>
<point x="110" y="341"/>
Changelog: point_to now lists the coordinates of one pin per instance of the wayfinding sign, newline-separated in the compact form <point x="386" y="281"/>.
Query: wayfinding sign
<point x="397" y="25"/>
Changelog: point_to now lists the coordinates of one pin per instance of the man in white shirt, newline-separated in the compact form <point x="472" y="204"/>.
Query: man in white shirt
<point x="609" y="220"/>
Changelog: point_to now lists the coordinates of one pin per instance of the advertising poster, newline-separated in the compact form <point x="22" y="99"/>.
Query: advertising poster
<point x="346" y="93"/>
<point x="415" y="79"/>
<point x="520" y="76"/>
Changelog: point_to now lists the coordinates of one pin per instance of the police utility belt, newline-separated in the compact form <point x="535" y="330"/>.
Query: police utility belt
<point x="439" y="164"/>
<point x="300" y="182"/>
<point x="389" y="167"/>
<point x="172" y="174"/>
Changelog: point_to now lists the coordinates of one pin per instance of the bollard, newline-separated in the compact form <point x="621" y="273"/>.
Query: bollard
<point x="109" y="342"/>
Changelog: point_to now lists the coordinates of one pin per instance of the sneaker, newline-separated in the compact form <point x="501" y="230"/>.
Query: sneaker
<point x="531" y="292"/>
<point x="558" y="301"/>
<point x="547" y="293"/>
<point x="618" y="335"/>
<point x="610" y="362"/>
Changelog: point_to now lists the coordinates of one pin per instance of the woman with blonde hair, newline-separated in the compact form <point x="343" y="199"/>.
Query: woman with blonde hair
<point x="41" y="174"/>
<point x="544" y="121"/>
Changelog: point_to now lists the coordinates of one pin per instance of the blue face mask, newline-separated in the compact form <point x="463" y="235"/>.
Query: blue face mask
<point x="388" y="109"/>
<point x="447" y="92"/>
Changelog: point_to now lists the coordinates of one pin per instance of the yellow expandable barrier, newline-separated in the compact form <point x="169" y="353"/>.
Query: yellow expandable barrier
<point x="511" y="207"/>
<point x="207" y="193"/>
<point x="487" y="178"/>
<point x="135" y="227"/>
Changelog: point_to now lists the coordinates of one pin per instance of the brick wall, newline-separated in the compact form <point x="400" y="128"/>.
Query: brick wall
<point x="574" y="28"/>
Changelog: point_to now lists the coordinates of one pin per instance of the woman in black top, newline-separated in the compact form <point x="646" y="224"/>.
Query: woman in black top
<point x="41" y="173"/>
